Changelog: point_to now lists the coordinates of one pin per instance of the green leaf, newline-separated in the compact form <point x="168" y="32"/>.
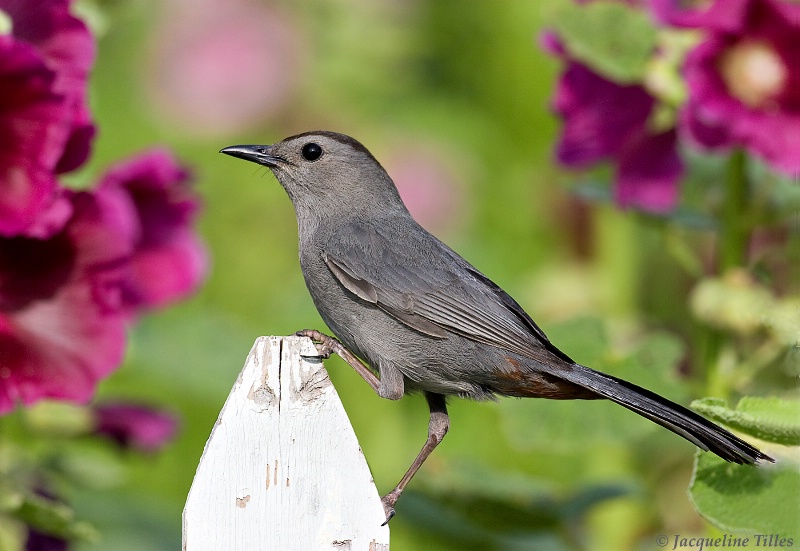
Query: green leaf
<point x="747" y="499"/>
<point x="611" y="38"/>
<point x="769" y="419"/>
<point x="55" y="518"/>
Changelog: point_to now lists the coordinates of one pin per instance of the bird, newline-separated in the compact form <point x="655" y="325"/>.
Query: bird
<point x="409" y="314"/>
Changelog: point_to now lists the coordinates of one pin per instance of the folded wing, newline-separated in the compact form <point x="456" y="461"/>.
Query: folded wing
<point x="433" y="290"/>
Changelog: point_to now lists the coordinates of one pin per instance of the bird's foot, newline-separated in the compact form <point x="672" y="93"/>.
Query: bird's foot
<point x="326" y="346"/>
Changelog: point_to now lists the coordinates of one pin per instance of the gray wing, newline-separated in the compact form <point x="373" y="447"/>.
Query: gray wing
<point x="427" y="286"/>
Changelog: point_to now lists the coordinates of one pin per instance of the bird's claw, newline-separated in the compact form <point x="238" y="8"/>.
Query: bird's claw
<point x="388" y="502"/>
<point x="321" y="341"/>
<point x="323" y="350"/>
<point x="327" y="345"/>
<point x="389" y="514"/>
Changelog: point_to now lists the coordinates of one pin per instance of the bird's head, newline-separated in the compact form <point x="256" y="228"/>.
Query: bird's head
<point x="324" y="170"/>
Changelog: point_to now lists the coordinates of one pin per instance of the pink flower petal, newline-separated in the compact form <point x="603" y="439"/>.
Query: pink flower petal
<point x="744" y="87"/>
<point x="34" y="126"/>
<point x="222" y="67"/>
<point x="599" y="116"/>
<point x="604" y="120"/>
<point x="53" y="217"/>
<point x="136" y="426"/>
<point x="648" y="173"/>
<point x="68" y="49"/>
<point x="429" y="184"/>
<point x="169" y="272"/>
<point x="152" y="194"/>
<point x="61" y="328"/>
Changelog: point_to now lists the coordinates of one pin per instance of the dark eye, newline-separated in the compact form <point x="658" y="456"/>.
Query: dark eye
<point x="312" y="152"/>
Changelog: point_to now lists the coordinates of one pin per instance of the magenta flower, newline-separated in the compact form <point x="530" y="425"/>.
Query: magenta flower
<point x="75" y="266"/>
<point x="135" y="426"/>
<point x="45" y="126"/>
<point x="151" y="194"/>
<point x="62" y="327"/>
<point x="68" y="49"/>
<point x="604" y="120"/>
<point x="31" y="141"/>
<point x="744" y="83"/>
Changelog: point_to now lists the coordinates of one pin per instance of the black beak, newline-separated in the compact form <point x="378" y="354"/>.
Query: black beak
<point x="261" y="154"/>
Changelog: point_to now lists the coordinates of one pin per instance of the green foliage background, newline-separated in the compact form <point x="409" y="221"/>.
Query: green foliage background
<point x="613" y="293"/>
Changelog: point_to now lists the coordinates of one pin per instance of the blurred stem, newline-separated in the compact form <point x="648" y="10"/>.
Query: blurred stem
<point x="720" y="366"/>
<point x="618" y="254"/>
<point x="682" y="253"/>
<point x="734" y="232"/>
<point x="605" y="519"/>
<point x="720" y="356"/>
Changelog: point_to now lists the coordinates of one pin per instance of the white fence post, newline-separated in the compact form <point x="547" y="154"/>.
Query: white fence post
<point x="282" y="469"/>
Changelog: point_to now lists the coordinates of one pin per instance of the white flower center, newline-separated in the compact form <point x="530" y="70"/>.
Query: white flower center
<point x="5" y="23"/>
<point x="754" y="73"/>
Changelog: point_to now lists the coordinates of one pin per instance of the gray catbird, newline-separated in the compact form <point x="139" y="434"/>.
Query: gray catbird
<point x="422" y="317"/>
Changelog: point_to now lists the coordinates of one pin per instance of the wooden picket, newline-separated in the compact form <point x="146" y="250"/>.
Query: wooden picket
<point x="282" y="469"/>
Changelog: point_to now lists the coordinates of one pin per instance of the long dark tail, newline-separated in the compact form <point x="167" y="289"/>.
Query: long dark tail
<point x="696" y="429"/>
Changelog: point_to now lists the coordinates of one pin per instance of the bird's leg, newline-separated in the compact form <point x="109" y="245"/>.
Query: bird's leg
<point x="437" y="428"/>
<point x="327" y="345"/>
